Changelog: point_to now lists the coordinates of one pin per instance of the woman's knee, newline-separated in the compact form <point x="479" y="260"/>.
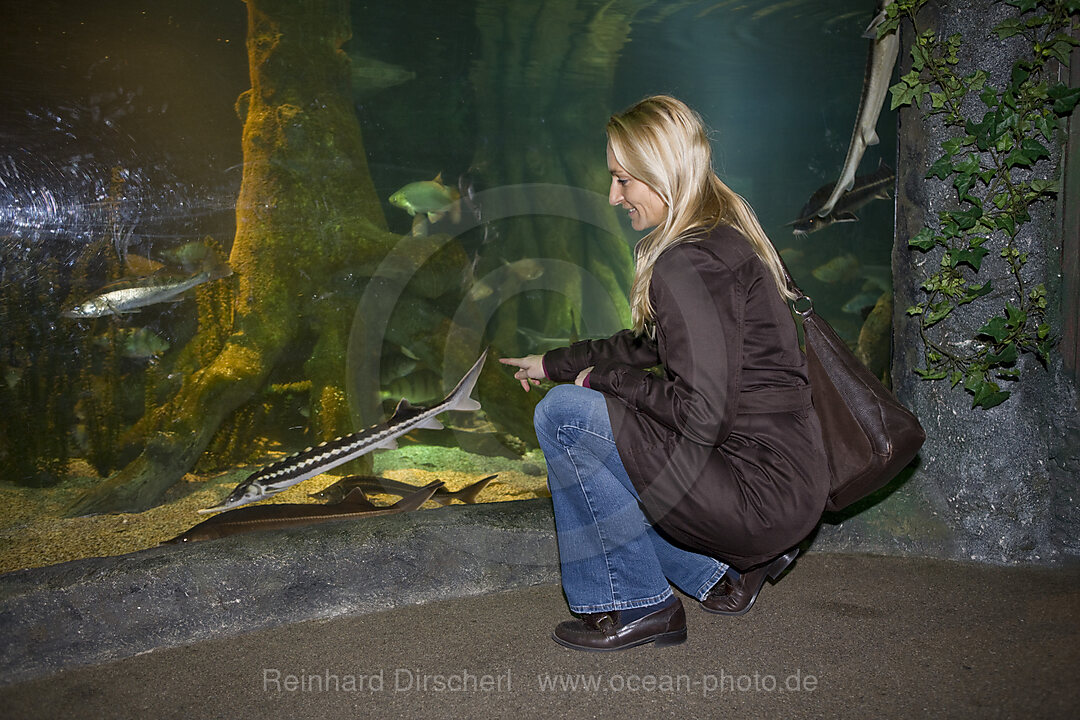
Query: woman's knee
<point x="561" y="404"/>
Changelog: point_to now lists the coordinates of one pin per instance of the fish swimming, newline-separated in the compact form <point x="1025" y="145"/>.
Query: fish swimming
<point x="421" y="385"/>
<point x="282" y="515"/>
<point x="279" y="475"/>
<point x="880" y="60"/>
<point x="864" y="301"/>
<point x="371" y="484"/>
<point x="369" y="75"/>
<point x="864" y="188"/>
<point x="135" y="343"/>
<point x="429" y="198"/>
<point x="129" y="299"/>
<point x="509" y="278"/>
<point x="846" y="268"/>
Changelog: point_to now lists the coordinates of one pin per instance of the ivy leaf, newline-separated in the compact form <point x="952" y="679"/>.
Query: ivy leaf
<point x="942" y="168"/>
<point x="904" y="94"/>
<point x="966" y="219"/>
<point x="1024" y="5"/>
<point x="969" y="165"/>
<point x="1019" y="75"/>
<point x="1006" y="223"/>
<point x="1008" y="28"/>
<point x="1064" y="97"/>
<point x="953" y="145"/>
<point x="1017" y="157"/>
<point x="974" y="292"/>
<point x="963" y="183"/>
<point x="930" y="374"/>
<point x="1044" y="127"/>
<point x="1060" y="48"/>
<point x="1006" y="356"/>
<point x="1029" y="151"/>
<point x="1043" y="350"/>
<point x="989" y="395"/>
<point x="995" y="329"/>
<point x="955" y="377"/>
<point x="1034" y="148"/>
<point x="923" y="240"/>
<point x="938" y="312"/>
<point x="1016" y="317"/>
<point x="972" y="257"/>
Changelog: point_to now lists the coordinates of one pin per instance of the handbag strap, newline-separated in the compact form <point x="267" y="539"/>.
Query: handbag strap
<point x="795" y="289"/>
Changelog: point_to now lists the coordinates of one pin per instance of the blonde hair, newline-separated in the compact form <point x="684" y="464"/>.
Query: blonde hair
<point x="664" y="144"/>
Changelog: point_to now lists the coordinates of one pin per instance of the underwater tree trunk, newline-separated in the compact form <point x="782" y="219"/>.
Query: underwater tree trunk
<point x="544" y="86"/>
<point x="308" y="221"/>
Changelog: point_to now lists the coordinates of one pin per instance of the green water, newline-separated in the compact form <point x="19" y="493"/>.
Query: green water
<point x="120" y="143"/>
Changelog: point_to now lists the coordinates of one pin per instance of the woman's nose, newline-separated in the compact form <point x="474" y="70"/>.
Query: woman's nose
<point x="614" y="193"/>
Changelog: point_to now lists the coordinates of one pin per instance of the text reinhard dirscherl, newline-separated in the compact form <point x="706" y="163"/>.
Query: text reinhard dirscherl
<point x="398" y="680"/>
<point x="465" y="681"/>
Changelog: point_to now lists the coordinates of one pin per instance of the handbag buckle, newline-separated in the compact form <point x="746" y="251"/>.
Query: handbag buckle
<point x="809" y="306"/>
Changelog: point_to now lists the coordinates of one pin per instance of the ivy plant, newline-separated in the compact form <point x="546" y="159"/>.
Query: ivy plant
<point x="993" y="164"/>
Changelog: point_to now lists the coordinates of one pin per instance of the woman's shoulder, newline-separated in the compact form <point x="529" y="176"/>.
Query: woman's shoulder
<point x="723" y="245"/>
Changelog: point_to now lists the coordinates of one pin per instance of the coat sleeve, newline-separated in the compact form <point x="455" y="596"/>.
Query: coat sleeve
<point x="699" y="304"/>
<point x="623" y="348"/>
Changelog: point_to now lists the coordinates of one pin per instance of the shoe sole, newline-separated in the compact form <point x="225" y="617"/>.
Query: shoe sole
<point x="774" y="571"/>
<point x="675" y="637"/>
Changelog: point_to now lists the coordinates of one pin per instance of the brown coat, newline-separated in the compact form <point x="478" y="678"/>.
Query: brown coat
<point x="723" y="444"/>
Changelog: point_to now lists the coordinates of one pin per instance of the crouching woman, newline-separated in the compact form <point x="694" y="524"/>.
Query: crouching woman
<point x="686" y="452"/>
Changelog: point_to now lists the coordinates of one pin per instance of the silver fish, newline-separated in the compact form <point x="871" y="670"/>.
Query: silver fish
<point x="279" y="475"/>
<point x="282" y="515"/>
<point x="880" y="61"/>
<point x="130" y="299"/>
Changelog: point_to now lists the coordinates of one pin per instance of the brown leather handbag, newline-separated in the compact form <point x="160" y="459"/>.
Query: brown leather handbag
<point x="869" y="436"/>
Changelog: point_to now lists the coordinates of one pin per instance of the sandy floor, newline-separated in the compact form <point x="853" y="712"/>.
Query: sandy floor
<point x="33" y="531"/>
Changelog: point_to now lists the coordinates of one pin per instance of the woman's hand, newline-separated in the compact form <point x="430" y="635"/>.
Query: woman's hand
<point x="531" y="369"/>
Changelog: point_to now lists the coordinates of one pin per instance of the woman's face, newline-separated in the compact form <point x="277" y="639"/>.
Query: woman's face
<point x="645" y="207"/>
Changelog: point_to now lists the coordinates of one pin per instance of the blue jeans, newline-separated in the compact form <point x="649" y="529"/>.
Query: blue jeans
<point x="611" y="557"/>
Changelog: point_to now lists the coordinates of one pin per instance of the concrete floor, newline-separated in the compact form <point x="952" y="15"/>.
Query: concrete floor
<point x="840" y="636"/>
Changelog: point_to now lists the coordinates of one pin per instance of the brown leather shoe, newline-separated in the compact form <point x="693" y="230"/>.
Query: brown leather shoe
<point x="602" y="631"/>
<point x="736" y="597"/>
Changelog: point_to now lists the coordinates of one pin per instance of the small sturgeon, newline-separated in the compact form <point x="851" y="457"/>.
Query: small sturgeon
<point x="371" y="484"/>
<point x="864" y="189"/>
<point x="279" y="475"/>
<point x="880" y="61"/>
<point x="282" y="515"/>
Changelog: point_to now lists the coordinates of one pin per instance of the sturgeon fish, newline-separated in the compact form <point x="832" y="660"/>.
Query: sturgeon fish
<point x="282" y="515"/>
<point x="864" y="188"/>
<point x="344" y="486"/>
<point x="313" y="461"/>
<point x="880" y="61"/>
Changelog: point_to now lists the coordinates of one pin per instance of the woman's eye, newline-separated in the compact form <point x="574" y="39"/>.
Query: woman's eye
<point x="623" y="181"/>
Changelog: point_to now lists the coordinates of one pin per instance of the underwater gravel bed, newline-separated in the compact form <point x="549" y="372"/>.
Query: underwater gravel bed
<point x="34" y="533"/>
